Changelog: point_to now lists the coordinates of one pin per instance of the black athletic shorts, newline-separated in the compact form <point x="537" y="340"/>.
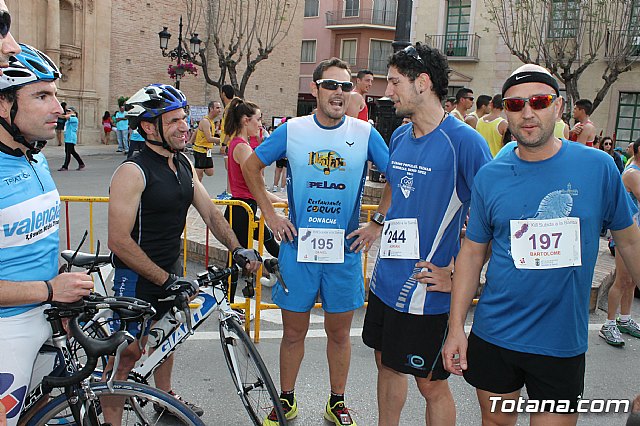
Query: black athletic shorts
<point x="281" y="163"/>
<point x="498" y="370"/>
<point x="201" y="161"/>
<point x="410" y="344"/>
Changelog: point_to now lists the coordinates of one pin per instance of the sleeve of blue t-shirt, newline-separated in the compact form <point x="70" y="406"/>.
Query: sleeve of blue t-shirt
<point x="618" y="208"/>
<point x="274" y="147"/>
<point x="474" y="153"/>
<point x="479" y="227"/>
<point x="378" y="152"/>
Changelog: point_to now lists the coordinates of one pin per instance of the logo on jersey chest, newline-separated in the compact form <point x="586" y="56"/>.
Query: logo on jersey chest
<point x="327" y="161"/>
<point x="406" y="186"/>
<point x="11" y="180"/>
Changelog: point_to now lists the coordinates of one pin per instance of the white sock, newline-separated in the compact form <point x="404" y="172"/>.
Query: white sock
<point x="610" y="322"/>
<point x="625" y="318"/>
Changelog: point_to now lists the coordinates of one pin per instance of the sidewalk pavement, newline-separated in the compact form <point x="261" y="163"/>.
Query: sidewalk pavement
<point x="54" y="152"/>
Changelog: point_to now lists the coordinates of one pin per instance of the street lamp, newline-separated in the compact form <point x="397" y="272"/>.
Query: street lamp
<point x="179" y="53"/>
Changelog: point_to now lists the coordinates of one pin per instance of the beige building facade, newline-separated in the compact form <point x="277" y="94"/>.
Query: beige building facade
<point x="481" y="61"/>
<point x="107" y="49"/>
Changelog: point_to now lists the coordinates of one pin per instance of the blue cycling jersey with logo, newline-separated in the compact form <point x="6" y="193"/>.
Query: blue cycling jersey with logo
<point x="327" y="169"/>
<point x="29" y="216"/>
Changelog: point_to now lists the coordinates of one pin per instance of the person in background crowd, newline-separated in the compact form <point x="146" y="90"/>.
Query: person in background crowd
<point x="280" y="175"/>
<point x="607" y="146"/>
<point x="450" y="104"/>
<point x="227" y="93"/>
<point x="357" y="104"/>
<point x="204" y="141"/>
<point x="597" y="142"/>
<point x="107" y="127"/>
<point x="623" y="288"/>
<point x="136" y="143"/>
<point x="122" y="130"/>
<point x="584" y="131"/>
<point x="493" y="126"/>
<point x="464" y="101"/>
<point x="243" y="121"/>
<point x="561" y="129"/>
<point x="482" y="108"/>
<point x="71" y="140"/>
<point x="60" y="124"/>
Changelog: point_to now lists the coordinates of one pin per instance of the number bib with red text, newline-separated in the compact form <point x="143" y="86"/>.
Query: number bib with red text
<point x="546" y="244"/>
<point x="320" y="245"/>
<point x="400" y="239"/>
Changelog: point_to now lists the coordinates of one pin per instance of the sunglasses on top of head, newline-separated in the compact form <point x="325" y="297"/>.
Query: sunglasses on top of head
<point x="413" y="52"/>
<point x="536" y="102"/>
<point x="5" y="23"/>
<point x="329" y="84"/>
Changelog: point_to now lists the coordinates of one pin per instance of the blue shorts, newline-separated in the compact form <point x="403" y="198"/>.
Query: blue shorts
<point x="341" y="285"/>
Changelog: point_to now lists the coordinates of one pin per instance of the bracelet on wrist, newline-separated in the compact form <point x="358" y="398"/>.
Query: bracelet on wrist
<point x="49" y="291"/>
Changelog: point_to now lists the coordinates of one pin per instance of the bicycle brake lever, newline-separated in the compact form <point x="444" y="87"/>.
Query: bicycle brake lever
<point x="116" y="363"/>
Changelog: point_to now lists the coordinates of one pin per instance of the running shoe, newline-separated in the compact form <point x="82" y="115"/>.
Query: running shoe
<point x="290" y="412"/>
<point x="629" y="327"/>
<point x="223" y="196"/>
<point x="611" y="335"/>
<point x="338" y="414"/>
<point x="195" y="408"/>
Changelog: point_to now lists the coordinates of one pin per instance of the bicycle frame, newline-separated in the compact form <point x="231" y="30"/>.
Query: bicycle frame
<point x="209" y="299"/>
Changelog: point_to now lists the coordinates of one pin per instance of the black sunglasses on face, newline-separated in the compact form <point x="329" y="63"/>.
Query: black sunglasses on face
<point x="5" y="23"/>
<point x="607" y="144"/>
<point x="412" y="52"/>
<point x="329" y="84"/>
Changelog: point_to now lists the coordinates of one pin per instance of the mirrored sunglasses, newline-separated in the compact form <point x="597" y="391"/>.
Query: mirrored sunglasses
<point x="536" y="102"/>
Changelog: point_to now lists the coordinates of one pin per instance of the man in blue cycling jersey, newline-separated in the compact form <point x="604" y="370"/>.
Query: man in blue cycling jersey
<point x="150" y="195"/>
<point x="29" y="215"/>
<point x="328" y="153"/>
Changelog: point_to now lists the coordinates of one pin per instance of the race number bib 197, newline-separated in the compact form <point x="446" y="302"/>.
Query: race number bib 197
<point x="319" y="245"/>
<point x="546" y="244"/>
<point x="400" y="239"/>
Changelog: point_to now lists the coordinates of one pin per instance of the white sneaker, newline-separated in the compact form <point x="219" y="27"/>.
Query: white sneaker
<point x="274" y="189"/>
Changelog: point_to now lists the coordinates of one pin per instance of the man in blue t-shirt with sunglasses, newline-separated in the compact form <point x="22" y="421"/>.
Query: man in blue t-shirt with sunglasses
<point x="542" y="215"/>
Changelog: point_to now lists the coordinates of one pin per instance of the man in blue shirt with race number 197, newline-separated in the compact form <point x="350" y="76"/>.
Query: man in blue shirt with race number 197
<point x="542" y="214"/>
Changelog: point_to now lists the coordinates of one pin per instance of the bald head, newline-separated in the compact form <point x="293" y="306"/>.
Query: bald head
<point x="531" y="68"/>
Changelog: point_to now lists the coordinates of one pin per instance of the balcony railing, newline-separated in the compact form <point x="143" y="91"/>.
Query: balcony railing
<point x="620" y="44"/>
<point x="343" y="17"/>
<point x="377" y="66"/>
<point x="455" y="46"/>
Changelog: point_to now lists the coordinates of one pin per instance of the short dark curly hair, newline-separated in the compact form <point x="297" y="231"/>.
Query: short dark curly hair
<point x="433" y="63"/>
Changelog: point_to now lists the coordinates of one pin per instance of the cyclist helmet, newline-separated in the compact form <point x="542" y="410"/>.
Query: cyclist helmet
<point x="28" y="66"/>
<point x="149" y="103"/>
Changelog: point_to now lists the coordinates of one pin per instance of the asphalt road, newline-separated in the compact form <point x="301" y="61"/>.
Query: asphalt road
<point x="201" y="376"/>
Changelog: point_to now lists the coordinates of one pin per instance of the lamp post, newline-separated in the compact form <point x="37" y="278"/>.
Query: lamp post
<point x="179" y="53"/>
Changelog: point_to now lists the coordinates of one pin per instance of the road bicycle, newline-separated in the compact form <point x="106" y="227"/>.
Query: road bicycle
<point x="79" y="403"/>
<point x="250" y="375"/>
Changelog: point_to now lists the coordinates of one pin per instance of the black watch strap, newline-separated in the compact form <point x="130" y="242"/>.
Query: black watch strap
<point x="378" y="218"/>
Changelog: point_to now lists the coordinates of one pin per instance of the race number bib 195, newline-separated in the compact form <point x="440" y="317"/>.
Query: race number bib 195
<point x="546" y="244"/>
<point x="400" y="239"/>
<point x="319" y="245"/>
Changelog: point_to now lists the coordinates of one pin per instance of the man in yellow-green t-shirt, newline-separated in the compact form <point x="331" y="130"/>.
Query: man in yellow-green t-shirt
<point x="204" y="140"/>
<point x="492" y="126"/>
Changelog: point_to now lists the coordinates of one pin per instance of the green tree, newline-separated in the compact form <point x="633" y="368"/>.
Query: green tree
<point x="568" y="36"/>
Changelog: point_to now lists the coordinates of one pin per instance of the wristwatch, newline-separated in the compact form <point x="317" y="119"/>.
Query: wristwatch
<point x="378" y="218"/>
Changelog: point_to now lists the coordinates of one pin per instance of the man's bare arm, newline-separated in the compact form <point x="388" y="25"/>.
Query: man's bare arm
<point x="356" y="104"/>
<point x="125" y="193"/>
<point x="206" y="129"/>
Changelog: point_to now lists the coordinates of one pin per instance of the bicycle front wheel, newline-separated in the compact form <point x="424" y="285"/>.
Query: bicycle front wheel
<point x="144" y="405"/>
<point x="250" y="375"/>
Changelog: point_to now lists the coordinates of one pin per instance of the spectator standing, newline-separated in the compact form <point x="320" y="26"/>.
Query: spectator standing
<point x="70" y="140"/>
<point x="358" y="104"/>
<point x="122" y="130"/>
<point x="464" y="101"/>
<point x="60" y="124"/>
<point x="450" y="104"/>
<point x="107" y="127"/>
<point x="204" y="141"/>
<point x="622" y="290"/>
<point x="607" y="146"/>
<point x="482" y="109"/>
<point x="136" y="143"/>
<point x="584" y="131"/>
<point x="492" y="126"/>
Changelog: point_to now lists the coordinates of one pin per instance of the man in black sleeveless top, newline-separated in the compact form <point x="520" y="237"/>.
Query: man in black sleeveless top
<point x="150" y="195"/>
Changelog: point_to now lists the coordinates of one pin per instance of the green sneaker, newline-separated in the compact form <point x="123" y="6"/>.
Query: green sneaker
<point x="611" y="335"/>
<point x="290" y="412"/>
<point x="338" y="414"/>
<point x="629" y="327"/>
